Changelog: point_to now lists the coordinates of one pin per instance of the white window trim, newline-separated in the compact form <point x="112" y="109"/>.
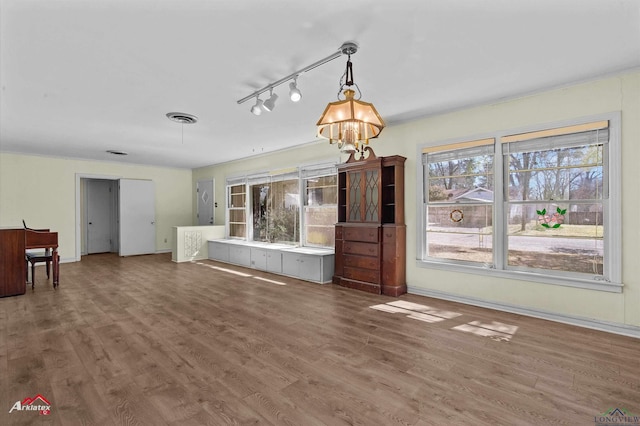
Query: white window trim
<point x="613" y="214"/>
<point x="301" y="172"/>
<point x="234" y="181"/>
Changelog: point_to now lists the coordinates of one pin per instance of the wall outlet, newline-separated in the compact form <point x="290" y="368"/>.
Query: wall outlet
<point x="165" y="240"/>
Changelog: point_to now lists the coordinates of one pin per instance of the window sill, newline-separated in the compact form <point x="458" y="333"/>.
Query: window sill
<point x="599" y="285"/>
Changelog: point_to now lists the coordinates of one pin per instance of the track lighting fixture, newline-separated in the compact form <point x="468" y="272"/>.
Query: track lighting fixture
<point x="270" y="103"/>
<point x="351" y="122"/>
<point x="294" y="93"/>
<point x="257" y="108"/>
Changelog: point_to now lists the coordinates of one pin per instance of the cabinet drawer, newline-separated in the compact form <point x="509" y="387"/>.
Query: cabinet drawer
<point x="369" y="235"/>
<point x="364" y="249"/>
<point x="364" y="262"/>
<point x="367" y="275"/>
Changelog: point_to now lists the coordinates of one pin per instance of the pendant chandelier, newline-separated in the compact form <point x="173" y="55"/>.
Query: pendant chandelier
<point x="350" y="123"/>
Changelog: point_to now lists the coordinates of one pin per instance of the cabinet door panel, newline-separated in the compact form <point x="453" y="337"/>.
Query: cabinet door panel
<point x="274" y="261"/>
<point x="355" y="196"/>
<point x="259" y="258"/>
<point x="290" y="264"/>
<point x="309" y="267"/>
<point x="219" y="251"/>
<point x="240" y="255"/>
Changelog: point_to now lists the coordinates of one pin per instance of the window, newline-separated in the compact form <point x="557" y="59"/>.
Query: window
<point x="272" y="202"/>
<point x="236" y="210"/>
<point x="459" y="203"/>
<point x="549" y="211"/>
<point x="555" y="201"/>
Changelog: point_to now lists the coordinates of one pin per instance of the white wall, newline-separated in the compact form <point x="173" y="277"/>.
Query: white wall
<point x="42" y="191"/>
<point x="618" y="93"/>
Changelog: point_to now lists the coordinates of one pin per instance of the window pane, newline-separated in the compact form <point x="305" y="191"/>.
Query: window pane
<point x="259" y="206"/>
<point x="237" y="230"/>
<point x="283" y="214"/>
<point x="461" y="180"/>
<point x="559" y="174"/>
<point x="321" y="211"/>
<point x="371" y="196"/>
<point x="461" y="233"/>
<point x="322" y="191"/>
<point x="237" y="216"/>
<point x="576" y="245"/>
<point x="275" y="208"/>
<point x="354" y="196"/>
<point x="320" y="222"/>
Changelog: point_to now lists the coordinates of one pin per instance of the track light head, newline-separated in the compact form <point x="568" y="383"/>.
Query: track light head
<point x="257" y="108"/>
<point x="294" y="93"/>
<point x="270" y="103"/>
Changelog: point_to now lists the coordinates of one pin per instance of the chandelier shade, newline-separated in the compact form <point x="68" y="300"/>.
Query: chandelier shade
<point x="350" y="122"/>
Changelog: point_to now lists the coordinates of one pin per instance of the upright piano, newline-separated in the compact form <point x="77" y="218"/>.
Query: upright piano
<point x="13" y="245"/>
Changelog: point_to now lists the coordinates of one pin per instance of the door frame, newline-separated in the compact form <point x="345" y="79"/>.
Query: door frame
<point x="79" y="207"/>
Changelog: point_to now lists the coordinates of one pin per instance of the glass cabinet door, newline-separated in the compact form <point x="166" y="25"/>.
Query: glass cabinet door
<point x="355" y="196"/>
<point x="371" y="198"/>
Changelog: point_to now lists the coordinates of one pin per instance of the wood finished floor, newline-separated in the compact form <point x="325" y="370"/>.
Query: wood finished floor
<point x="142" y="340"/>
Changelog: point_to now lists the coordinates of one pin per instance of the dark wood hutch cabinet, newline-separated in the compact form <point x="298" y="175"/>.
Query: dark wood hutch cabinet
<point x="370" y="250"/>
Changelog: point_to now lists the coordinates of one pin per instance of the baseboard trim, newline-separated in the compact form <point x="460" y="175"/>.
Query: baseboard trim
<point x="610" y="327"/>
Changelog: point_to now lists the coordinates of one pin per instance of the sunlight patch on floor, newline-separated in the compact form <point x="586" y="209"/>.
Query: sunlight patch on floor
<point x="269" y="281"/>
<point x="242" y="274"/>
<point x="416" y="311"/>
<point x="495" y="330"/>
<point x="415" y="307"/>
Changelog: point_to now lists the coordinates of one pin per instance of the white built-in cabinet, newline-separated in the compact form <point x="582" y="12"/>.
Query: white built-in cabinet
<point x="310" y="264"/>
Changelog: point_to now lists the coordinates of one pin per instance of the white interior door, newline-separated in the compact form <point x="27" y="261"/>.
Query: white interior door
<point x="99" y="219"/>
<point x="205" y="201"/>
<point x="137" y="217"/>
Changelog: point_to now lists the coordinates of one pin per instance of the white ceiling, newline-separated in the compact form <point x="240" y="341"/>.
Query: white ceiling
<point x="82" y="77"/>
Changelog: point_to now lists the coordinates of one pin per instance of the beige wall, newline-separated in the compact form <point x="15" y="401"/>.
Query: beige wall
<point x="42" y="191"/>
<point x="619" y="93"/>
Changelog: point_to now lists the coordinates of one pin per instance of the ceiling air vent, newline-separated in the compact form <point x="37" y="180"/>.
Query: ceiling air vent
<point x="181" y="117"/>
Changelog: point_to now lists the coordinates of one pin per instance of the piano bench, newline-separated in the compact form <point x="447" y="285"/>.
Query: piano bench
<point x="38" y="257"/>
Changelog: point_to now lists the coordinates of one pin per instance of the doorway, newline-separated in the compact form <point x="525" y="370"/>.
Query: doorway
<point x="101" y="200"/>
<point x="121" y="213"/>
